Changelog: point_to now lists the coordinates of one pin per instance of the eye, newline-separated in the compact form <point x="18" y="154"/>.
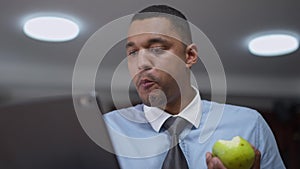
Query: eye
<point x="132" y="52"/>
<point x="156" y="50"/>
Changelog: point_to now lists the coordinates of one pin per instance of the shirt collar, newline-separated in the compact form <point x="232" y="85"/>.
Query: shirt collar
<point x="192" y="113"/>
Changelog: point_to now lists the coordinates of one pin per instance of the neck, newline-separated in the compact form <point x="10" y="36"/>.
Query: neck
<point x="181" y="102"/>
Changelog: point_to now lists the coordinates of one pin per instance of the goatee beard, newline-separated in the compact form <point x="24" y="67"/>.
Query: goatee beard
<point x="157" y="98"/>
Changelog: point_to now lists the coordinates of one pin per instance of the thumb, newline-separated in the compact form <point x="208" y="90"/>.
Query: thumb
<point x="208" y="156"/>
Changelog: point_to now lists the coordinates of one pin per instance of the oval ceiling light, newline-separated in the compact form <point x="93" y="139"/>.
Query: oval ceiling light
<point x="52" y="29"/>
<point x="273" y="45"/>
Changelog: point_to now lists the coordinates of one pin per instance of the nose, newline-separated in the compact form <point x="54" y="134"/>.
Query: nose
<point x="144" y="60"/>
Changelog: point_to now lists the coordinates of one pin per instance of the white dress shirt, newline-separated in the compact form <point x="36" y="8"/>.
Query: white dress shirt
<point x="192" y="113"/>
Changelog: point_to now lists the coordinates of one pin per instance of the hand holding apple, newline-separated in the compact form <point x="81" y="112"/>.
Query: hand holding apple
<point x="234" y="154"/>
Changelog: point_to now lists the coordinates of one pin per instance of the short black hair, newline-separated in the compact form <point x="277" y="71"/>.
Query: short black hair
<point x="163" y="9"/>
<point x="177" y="18"/>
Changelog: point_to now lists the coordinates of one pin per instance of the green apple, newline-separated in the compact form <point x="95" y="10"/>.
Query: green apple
<point x="234" y="154"/>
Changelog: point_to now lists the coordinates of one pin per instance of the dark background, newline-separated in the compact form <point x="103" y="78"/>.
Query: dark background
<point x="36" y="77"/>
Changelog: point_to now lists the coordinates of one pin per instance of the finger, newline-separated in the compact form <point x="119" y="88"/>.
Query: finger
<point x="216" y="163"/>
<point x="213" y="162"/>
<point x="210" y="164"/>
<point x="208" y="157"/>
<point x="256" y="164"/>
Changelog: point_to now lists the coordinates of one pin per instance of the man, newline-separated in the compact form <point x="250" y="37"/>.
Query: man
<point x="160" y="54"/>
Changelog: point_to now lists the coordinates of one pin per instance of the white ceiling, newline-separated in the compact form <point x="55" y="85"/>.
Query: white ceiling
<point x="31" y="69"/>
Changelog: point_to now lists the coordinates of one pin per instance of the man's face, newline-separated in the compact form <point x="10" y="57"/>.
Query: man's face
<point x="156" y="61"/>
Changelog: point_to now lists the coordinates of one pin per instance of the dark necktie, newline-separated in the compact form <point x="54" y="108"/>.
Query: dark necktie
<point x="175" y="158"/>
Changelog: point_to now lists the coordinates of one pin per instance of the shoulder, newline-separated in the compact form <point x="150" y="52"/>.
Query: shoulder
<point x="128" y="111"/>
<point x="125" y="116"/>
<point x="129" y="121"/>
<point x="233" y="111"/>
<point x="232" y="119"/>
<point x="135" y="113"/>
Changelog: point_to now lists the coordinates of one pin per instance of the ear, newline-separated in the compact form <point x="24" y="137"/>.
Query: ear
<point x="191" y="55"/>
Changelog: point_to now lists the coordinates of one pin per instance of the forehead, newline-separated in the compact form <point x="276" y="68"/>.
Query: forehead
<point x="155" y="25"/>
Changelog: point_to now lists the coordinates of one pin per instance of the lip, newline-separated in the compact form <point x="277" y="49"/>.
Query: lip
<point x="146" y="83"/>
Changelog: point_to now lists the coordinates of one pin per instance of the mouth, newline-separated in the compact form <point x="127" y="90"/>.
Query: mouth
<point x="146" y="83"/>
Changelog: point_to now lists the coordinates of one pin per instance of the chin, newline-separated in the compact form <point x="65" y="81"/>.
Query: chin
<point x="146" y="102"/>
<point x="145" y="99"/>
<point x="158" y="102"/>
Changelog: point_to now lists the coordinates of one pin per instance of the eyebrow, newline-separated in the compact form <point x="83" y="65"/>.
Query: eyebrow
<point x="129" y="44"/>
<point x="149" y="42"/>
<point x="157" y="40"/>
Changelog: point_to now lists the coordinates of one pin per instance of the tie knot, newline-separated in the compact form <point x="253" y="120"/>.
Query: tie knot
<point x="175" y="125"/>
